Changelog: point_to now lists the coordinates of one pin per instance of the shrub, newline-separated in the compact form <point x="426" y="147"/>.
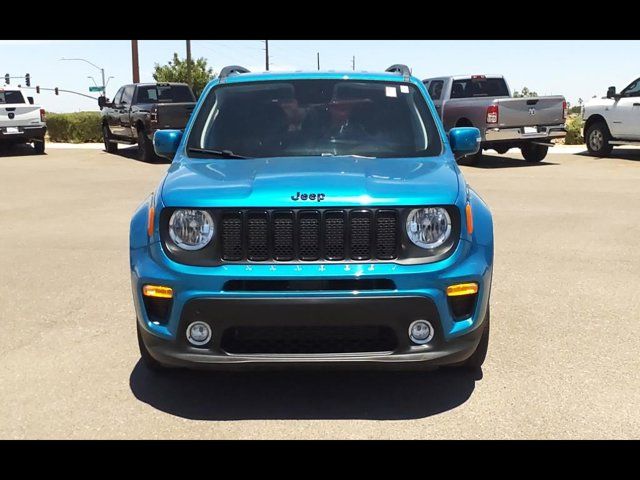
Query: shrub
<point x="80" y="127"/>
<point x="574" y="134"/>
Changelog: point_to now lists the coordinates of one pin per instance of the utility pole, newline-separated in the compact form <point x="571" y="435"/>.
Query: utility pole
<point x="318" y="55"/>
<point x="189" y="63"/>
<point x="266" y="54"/>
<point x="353" y="63"/>
<point x="135" y="66"/>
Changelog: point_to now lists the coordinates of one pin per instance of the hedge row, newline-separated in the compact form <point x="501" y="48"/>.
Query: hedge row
<point x="574" y="135"/>
<point x="80" y="127"/>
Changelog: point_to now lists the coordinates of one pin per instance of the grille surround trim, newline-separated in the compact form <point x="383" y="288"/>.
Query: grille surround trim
<point x="405" y="252"/>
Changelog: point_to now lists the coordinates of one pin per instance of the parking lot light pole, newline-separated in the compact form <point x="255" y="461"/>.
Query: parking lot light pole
<point x="104" y="87"/>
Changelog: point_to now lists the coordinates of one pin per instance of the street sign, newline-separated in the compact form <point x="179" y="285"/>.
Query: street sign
<point x="96" y="89"/>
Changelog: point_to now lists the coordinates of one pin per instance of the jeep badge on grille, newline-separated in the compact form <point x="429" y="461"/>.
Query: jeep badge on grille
<point x="318" y="197"/>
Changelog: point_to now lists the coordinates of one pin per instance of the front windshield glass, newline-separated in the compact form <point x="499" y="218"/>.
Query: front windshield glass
<point x="314" y="118"/>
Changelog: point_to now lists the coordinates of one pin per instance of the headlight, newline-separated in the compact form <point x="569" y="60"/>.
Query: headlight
<point x="191" y="229"/>
<point x="428" y="227"/>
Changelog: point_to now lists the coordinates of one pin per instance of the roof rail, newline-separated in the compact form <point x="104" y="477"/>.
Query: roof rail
<point x="400" y="69"/>
<point x="232" y="70"/>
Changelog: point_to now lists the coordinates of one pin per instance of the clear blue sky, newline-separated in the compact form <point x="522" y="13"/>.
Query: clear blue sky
<point x="576" y="69"/>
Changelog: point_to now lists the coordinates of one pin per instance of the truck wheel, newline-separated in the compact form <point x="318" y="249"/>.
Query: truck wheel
<point x="533" y="153"/>
<point x="597" y="139"/>
<point x="145" y="147"/>
<point x="109" y="145"/>
<point x="475" y="361"/>
<point x="148" y="361"/>
<point x="38" y="146"/>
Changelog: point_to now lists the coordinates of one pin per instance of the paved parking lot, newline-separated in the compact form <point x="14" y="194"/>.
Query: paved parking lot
<point x="563" y="357"/>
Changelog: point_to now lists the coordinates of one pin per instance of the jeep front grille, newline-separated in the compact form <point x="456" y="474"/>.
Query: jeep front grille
<point x="309" y="235"/>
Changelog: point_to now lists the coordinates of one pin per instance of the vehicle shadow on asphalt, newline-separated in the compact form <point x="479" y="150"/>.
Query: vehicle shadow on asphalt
<point x="132" y="154"/>
<point x="18" y="150"/>
<point x="297" y="395"/>
<point x="499" y="161"/>
<point x="617" y="153"/>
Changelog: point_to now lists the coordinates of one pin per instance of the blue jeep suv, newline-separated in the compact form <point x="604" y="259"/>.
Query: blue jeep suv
<point x="313" y="218"/>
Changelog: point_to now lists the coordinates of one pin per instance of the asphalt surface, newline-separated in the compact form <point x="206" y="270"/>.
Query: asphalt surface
<point x="563" y="357"/>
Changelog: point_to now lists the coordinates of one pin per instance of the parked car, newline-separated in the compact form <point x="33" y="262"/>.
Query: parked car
<point x="20" y="120"/>
<point x="138" y="110"/>
<point x="612" y="120"/>
<point x="313" y="218"/>
<point x="485" y="102"/>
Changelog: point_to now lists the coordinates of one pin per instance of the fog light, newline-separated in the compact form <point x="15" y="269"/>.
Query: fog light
<point x="198" y="333"/>
<point x="421" y="332"/>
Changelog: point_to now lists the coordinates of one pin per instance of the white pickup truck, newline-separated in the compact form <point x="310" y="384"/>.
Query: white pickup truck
<point x="20" y="120"/>
<point x="612" y="120"/>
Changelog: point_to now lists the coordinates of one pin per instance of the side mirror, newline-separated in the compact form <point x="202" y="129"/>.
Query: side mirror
<point x="464" y="141"/>
<point x="166" y="142"/>
<point x="102" y="101"/>
<point x="611" y="92"/>
<point x="30" y="100"/>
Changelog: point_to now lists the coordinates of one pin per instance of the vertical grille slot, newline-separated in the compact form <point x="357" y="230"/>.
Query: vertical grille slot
<point x="257" y="236"/>
<point x="309" y="232"/>
<point x="283" y="247"/>
<point x="360" y="234"/>
<point x="386" y="234"/>
<point x="334" y="244"/>
<point x="232" y="236"/>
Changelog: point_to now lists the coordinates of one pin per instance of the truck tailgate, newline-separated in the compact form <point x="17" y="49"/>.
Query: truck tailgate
<point x="530" y="111"/>
<point x="174" y="115"/>
<point x="13" y="115"/>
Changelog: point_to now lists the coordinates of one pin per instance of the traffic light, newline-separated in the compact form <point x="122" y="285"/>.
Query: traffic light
<point x="37" y="88"/>
<point x="27" y="79"/>
<point x="7" y="78"/>
<point x="56" y="90"/>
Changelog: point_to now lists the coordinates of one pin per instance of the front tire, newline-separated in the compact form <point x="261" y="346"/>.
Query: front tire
<point x="146" y="358"/>
<point x="534" y="153"/>
<point x="597" y="138"/>
<point x="38" y="146"/>
<point x="109" y="145"/>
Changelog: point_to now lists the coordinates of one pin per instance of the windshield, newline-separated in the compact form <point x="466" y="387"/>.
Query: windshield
<point x="479" y="87"/>
<point x="11" y="96"/>
<point x="164" y="94"/>
<point x="315" y="117"/>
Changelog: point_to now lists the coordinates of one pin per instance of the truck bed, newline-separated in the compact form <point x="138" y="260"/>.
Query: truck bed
<point x="23" y="115"/>
<point x="530" y="111"/>
<point x="512" y="112"/>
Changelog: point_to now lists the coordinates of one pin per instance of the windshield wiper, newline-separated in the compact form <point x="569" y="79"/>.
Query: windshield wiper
<point x="219" y="153"/>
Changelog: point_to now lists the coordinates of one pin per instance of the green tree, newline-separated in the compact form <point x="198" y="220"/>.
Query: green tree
<point x="524" y="93"/>
<point x="176" y="71"/>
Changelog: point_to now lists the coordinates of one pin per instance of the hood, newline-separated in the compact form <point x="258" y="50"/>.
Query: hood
<point x="297" y="182"/>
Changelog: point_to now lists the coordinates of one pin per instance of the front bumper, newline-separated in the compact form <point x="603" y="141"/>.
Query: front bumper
<point x="394" y="312"/>
<point x="543" y="133"/>
<point x="25" y="134"/>
<point x="418" y="292"/>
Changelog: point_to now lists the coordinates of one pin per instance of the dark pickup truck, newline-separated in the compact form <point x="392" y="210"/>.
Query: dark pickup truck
<point x="139" y="109"/>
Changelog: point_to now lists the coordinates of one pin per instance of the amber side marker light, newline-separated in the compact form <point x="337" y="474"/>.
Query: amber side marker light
<point x="469" y="218"/>
<point x="157" y="291"/>
<point x="152" y="212"/>
<point x="462" y="289"/>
